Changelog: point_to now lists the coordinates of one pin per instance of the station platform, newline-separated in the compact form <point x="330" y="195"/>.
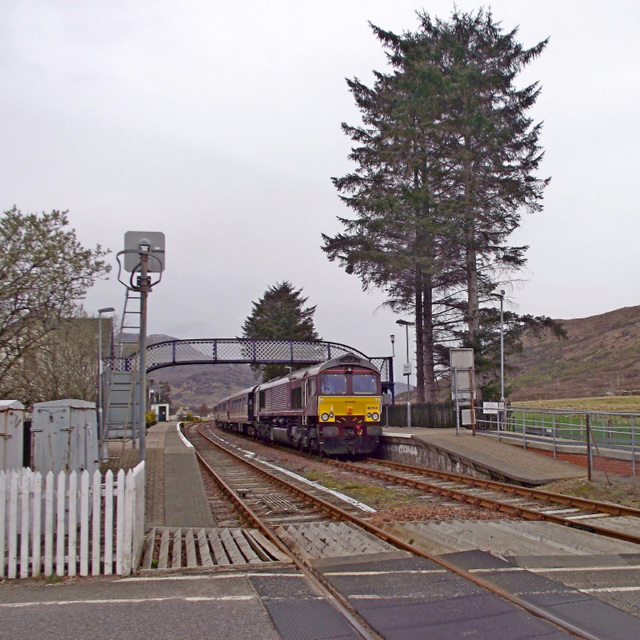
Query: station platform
<point x="175" y="493"/>
<point x="476" y="454"/>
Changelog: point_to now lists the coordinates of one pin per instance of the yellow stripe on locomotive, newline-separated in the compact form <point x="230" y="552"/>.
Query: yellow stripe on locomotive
<point x="332" y="407"/>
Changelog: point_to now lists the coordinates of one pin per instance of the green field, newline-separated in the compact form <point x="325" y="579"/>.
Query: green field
<point x="608" y="426"/>
<point x="606" y="403"/>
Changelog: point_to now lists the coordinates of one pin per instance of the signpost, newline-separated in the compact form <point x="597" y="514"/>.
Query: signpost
<point x="462" y="375"/>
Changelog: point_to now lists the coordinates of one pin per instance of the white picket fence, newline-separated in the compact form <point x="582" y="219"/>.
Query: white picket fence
<point x="72" y="524"/>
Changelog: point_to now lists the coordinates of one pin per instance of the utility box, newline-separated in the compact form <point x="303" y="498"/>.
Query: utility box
<point x="11" y="435"/>
<point x="64" y="436"/>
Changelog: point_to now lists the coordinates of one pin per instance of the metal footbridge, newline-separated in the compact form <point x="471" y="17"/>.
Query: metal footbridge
<point x="172" y="353"/>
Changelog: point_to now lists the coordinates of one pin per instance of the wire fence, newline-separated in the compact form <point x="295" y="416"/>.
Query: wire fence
<point x="598" y="440"/>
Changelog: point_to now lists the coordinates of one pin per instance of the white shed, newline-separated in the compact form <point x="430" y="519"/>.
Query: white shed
<point x="64" y="436"/>
<point x="11" y="435"/>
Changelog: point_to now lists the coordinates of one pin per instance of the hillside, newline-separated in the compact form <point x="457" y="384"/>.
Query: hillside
<point x="600" y="357"/>
<point x="193" y="385"/>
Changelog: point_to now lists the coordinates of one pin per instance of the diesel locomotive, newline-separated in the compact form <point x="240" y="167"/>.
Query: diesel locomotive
<point x="333" y="408"/>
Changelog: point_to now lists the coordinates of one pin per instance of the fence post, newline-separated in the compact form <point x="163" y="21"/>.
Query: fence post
<point x="84" y="523"/>
<point x="60" y="531"/>
<point x="95" y="529"/>
<point x="36" y="541"/>
<point x="3" y="514"/>
<point x="589" y="453"/>
<point x="120" y="522"/>
<point x="13" y="525"/>
<point x="72" y="532"/>
<point x="108" y="523"/>
<point x="633" y="447"/>
<point x="49" y="510"/>
<point x="25" y="482"/>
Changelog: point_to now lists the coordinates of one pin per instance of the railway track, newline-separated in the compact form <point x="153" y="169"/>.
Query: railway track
<point x="305" y="527"/>
<point x="602" y="518"/>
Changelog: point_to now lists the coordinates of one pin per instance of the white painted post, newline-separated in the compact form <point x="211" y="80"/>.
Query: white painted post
<point x="95" y="518"/>
<point x="3" y="520"/>
<point x="140" y="476"/>
<point x="72" y="534"/>
<point x="13" y="525"/>
<point x="49" y="508"/>
<point x="36" y="540"/>
<point x="84" y="523"/>
<point x="25" y="481"/>
<point x="120" y="522"/>
<point x="129" y="501"/>
<point x="108" y="523"/>
<point x="60" y="530"/>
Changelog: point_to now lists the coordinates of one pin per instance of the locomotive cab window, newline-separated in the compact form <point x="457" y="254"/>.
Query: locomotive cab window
<point x="364" y="383"/>
<point x="334" y="384"/>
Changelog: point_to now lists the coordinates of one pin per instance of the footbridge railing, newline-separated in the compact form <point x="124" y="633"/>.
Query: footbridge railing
<point x="244" y="351"/>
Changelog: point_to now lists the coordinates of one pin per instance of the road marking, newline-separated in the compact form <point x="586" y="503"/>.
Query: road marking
<point x="384" y="573"/>
<point x="56" y="603"/>
<point x="226" y="576"/>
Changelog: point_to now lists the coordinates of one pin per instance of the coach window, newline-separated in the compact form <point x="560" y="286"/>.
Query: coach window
<point x="364" y="383"/>
<point x="334" y="384"/>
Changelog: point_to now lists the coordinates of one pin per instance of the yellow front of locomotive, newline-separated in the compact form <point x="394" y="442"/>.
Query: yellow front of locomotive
<point x="349" y="410"/>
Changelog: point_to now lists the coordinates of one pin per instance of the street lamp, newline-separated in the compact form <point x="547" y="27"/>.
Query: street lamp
<point x="407" y="368"/>
<point x="501" y="296"/>
<point x="103" y="452"/>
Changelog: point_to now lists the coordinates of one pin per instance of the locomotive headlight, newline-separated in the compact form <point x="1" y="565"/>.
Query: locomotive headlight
<point x="375" y="416"/>
<point x="324" y="417"/>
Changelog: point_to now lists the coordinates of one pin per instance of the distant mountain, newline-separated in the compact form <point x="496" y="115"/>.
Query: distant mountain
<point x="600" y="357"/>
<point x="194" y="385"/>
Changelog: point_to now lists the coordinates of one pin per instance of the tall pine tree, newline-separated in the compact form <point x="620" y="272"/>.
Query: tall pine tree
<point x="446" y="158"/>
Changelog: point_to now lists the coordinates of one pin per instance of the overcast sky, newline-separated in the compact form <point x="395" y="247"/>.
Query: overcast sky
<point x="218" y="123"/>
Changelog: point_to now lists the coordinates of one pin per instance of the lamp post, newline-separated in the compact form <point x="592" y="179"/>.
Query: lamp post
<point x="407" y="368"/>
<point x="500" y="416"/>
<point x="393" y="356"/>
<point x="102" y="439"/>
<point x="501" y="296"/>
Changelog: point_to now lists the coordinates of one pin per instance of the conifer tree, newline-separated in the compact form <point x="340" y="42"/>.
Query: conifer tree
<point x="280" y="314"/>
<point x="446" y="158"/>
